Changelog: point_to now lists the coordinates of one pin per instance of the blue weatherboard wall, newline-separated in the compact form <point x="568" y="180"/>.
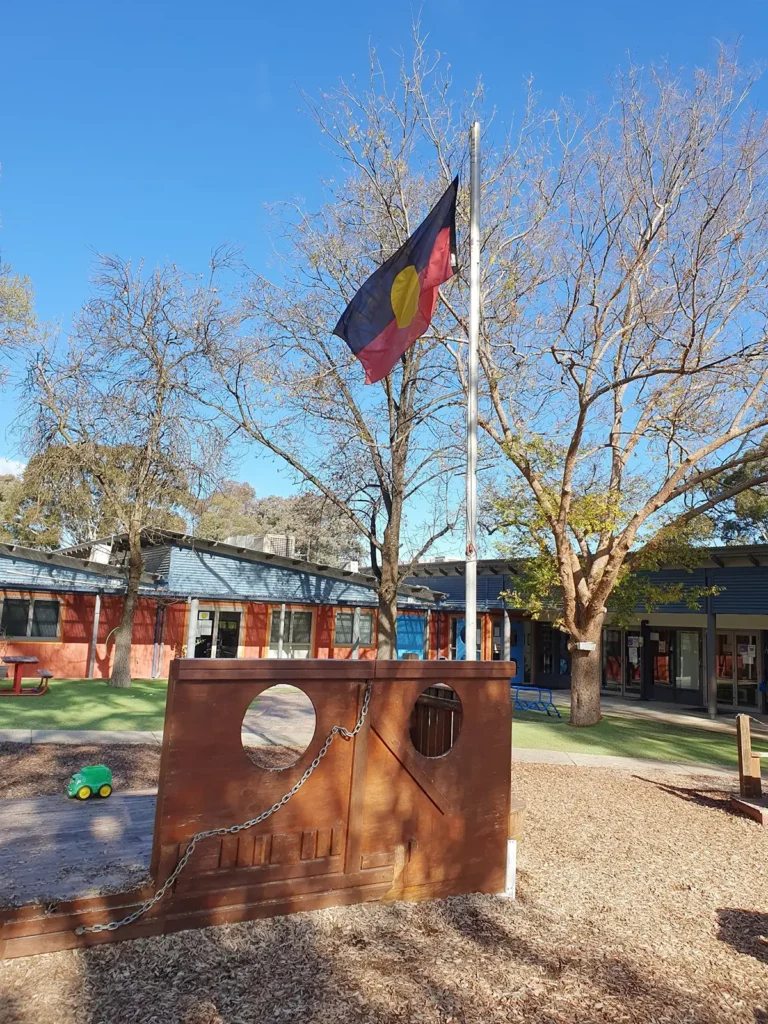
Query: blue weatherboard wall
<point x="743" y="589"/>
<point x="488" y="589"/>
<point x="206" y="574"/>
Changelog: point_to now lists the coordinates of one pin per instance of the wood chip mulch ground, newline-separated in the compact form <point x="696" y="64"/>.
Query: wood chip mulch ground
<point x="642" y="899"/>
<point x="43" y="769"/>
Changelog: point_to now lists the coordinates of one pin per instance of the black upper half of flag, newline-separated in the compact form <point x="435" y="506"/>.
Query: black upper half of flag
<point x="370" y="311"/>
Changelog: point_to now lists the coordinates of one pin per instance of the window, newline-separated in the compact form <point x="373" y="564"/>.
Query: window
<point x="688" y="661"/>
<point x="22" y="617"/>
<point x="344" y="625"/>
<point x="297" y="634"/>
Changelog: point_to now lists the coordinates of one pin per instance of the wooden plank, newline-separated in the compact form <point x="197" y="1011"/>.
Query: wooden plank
<point x="354" y="846"/>
<point x="406" y="758"/>
<point x="749" y="766"/>
<point x="53" y="942"/>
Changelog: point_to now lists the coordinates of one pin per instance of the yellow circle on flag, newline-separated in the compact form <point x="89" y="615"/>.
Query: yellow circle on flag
<point x="405" y="296"/>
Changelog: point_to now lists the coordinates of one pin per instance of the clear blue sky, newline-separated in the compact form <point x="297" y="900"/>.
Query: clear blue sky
<point x="161" y="129"/>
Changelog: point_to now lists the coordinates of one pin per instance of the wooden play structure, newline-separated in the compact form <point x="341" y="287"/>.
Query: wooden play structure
<point x="750" y="800"/>
<point x="376" y="820"/>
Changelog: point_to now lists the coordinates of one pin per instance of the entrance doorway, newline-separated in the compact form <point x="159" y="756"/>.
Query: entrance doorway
<point x="736" y="660"/>
<point x="622" y="662"/>
<point x="218" y="633"/>
<point x="459" y="640"/>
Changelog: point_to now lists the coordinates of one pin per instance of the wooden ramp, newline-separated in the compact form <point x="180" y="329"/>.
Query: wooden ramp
<point x="52" y="848"/>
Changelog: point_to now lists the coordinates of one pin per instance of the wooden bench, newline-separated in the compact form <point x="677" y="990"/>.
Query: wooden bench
<point x="45" y="677"/>
<point x="533" y="698"/>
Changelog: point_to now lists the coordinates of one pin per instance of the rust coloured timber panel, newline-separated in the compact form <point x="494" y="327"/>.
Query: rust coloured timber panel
<point x="376" y="820"/>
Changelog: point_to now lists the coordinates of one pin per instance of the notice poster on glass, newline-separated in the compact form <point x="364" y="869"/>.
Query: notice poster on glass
<point x="633" y="653"/>
<point x="747" y="653"/>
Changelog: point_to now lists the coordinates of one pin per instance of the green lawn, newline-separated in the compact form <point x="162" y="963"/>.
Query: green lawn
<point x="91" y="704"/>
<point x="625" y="737"/>
<point x="88" y="704"/>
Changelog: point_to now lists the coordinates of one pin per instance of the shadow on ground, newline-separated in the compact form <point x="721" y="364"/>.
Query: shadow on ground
<point x="746" y="931"/>
<point x="459" y="961"/>
<point x="714" y="798"/>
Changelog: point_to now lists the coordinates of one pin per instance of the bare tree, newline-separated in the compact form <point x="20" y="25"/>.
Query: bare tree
<point x="386" y="455"/>
<point x="624" y="345"/>
<point x="116" y="404"/>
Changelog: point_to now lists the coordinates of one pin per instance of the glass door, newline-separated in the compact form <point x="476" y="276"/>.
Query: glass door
<point x="746" y="670"/>
<point x="227" y="634"/>
<point x="724" y="666"/>
<point x="613" y="665"/>
<point x="737" y="670"/>
<point x="459" y="640"/>
<point x="218" y="633"/>
<point x="633" y="666"/>
<point x="688" y="661"/>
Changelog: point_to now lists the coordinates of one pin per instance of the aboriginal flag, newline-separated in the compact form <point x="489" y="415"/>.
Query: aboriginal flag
<point x="395" y="305"/>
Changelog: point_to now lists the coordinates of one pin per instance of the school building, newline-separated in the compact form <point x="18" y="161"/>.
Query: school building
<point x="208" y="599"/>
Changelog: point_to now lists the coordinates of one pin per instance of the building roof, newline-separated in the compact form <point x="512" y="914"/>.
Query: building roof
<point x="456" y="567"/>
<point x="23" y="568"/>
<point x="157" y="538"/>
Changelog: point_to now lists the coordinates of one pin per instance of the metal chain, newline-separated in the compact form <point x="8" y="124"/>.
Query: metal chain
<point x="337" y="730"/>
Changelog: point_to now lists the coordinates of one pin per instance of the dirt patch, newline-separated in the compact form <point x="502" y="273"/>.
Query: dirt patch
<point x="642" y="900"/>
<point x="273" y="758"/>
<point x="43" y="769"/>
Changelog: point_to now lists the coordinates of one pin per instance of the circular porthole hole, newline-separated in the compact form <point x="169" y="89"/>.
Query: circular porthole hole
<point x="278" y="727"/>
<point x="436" y="720"/>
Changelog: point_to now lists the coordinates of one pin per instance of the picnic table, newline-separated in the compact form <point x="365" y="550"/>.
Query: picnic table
<point x="17" y="690"/>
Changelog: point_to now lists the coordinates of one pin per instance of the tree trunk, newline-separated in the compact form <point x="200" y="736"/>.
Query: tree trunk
<point x="390" y="574"/>
<point x="586" y="673"/>
<point x="121" y="669"/>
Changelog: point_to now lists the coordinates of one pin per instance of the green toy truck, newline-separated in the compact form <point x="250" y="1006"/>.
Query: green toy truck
<point x="93" y="780"/>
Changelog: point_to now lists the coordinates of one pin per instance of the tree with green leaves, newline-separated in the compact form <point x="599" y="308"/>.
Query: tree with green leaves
<point x="115" y="413"/>
<point x="17" y="315"/>
<point x="56" y="502"/>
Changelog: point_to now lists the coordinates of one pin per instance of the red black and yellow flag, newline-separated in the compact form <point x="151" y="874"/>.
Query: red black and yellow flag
<point x="395" y="305"/>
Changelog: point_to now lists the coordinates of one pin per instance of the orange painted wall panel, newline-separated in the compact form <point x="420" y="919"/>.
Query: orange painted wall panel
<point x="255" y="639"/>
<point x="68" y="657"/>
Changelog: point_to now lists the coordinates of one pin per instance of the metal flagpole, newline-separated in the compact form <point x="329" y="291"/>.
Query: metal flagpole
<point x="470" y="572"/>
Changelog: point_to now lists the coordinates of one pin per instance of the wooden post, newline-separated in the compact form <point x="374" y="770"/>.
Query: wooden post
<point x="749" y="763"/>
<point x="355" y="653"/>
<point x="94" y="636"/>
<point x="506" y="635"/>
<point x="194" y="604"/>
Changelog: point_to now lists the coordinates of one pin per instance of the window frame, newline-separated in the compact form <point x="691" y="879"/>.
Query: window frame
<point x="288" y="642"/>
<point x="368" y="612"/>
<point x="227" y="608"/>
<point x="28" y="637"/>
